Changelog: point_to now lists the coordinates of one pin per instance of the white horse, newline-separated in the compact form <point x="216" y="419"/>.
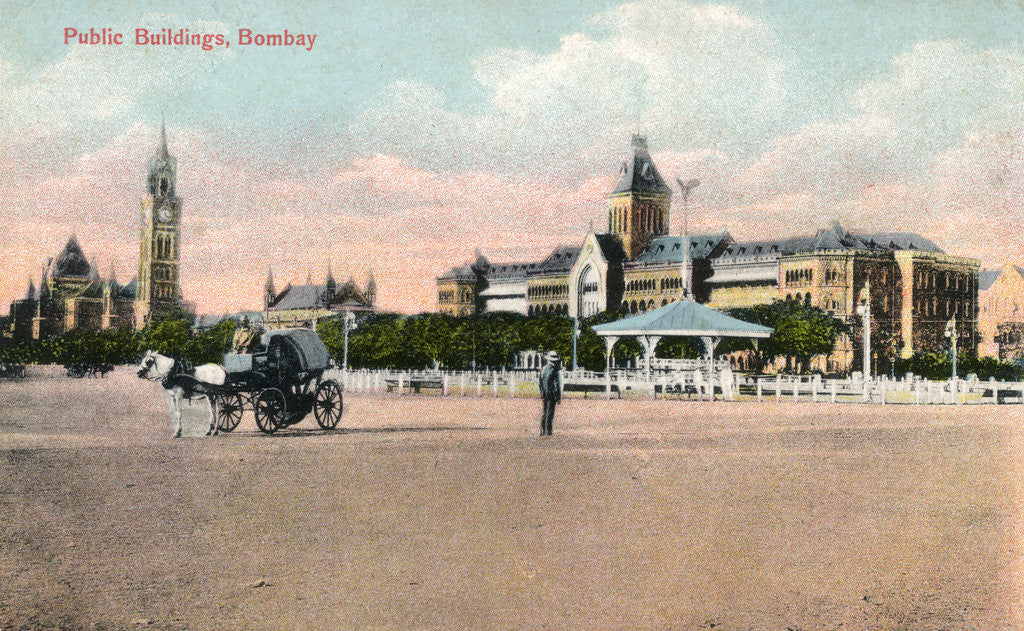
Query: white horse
<point x="181" y="381"/>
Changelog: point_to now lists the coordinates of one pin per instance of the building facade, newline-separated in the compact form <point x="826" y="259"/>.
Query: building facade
<point x="634" y="266"/>
<point x="71" y="295"/>
<point x="159" y="292"/>
<point x="1001" y="313"/>
<point x="914" y="289"/>
<point x="303" y="305"/>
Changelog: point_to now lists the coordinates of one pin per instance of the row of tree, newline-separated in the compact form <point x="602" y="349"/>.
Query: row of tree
<point x="490" y="340"/>
<point x="124" y="346"/>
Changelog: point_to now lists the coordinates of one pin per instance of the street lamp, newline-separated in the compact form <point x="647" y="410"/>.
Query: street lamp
<point x="686" y="188"/>
<point x="350" y="324"/>
<point x="864" y="311"/>
<point x="951" y="334"/>
<point x="575" y="336"/>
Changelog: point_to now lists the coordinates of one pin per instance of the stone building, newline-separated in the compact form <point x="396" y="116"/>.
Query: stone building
<point x="71" y="294"/>
<point x="635" y="265"/>
<point x="914" y="288"/>
<point x="303" y="305"/>
<point x="1001" y="313"/>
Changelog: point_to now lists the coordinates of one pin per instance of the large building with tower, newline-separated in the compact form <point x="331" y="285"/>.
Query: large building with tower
<point x="71" y="294"/>
<point x="913" y="287"/>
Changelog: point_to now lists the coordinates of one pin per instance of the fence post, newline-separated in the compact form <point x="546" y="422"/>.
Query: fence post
<point x="814" y="391"/>
<point x="444" y="384"/>
<point x="494" y="383"/>
<point x="796" y="388"/>
<point x="833" y="391"/>
<point x="401" y="377"/>
<point x="778" y="386"/>
<point x="758" y="390"/>
<point x="462" y="384"/>
<point x="512" y="385"/>
<point x="479" y="385"/>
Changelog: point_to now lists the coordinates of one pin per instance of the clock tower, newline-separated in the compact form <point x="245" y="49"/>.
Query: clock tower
<point x="158" y="291"/>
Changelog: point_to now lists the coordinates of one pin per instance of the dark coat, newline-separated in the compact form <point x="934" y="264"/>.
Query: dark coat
<point x="551" y="382"/>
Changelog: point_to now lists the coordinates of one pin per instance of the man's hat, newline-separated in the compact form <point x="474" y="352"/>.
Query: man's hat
<point x="552" y="356"/>
<point x="244" y="320"/>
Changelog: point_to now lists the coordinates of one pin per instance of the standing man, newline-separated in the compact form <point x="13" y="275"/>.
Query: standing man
<point x="550" y="391"/>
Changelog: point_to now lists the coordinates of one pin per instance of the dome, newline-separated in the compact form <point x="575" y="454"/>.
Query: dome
<point x="71" y="262"/>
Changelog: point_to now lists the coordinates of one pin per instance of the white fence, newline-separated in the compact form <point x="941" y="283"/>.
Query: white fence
<point x="685" y="384"/>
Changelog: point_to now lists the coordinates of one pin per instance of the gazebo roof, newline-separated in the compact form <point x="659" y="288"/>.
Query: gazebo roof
<point x="685" y="319"/>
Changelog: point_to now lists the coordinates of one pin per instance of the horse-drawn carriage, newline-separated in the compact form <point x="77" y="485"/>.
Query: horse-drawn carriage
<point x="281" y="383"/>
<point x="12" y="371"/>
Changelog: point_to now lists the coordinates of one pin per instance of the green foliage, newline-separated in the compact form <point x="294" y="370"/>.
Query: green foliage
<point x="591" y="347"/>
<point x="209" y="346"/>
<point x="800" y="332"/>
<point x="109" y="346"/>
<point x="939" y="367"/>
<point x="167" y="337"/>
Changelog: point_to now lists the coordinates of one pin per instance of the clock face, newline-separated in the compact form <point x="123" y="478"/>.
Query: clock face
<point x="164" y="214"/>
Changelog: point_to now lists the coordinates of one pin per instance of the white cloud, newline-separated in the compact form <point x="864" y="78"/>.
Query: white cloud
<point x="685" y="75"/>
<point x="93" y="84"/>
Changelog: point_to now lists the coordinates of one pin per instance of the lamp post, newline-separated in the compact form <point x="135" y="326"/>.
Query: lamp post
<point x="350" y="323"/>
<point x="951" y="334"/>
<point x="686" y="188"/>
<point x="864" y="311"/>
<point x="575" y="336"/>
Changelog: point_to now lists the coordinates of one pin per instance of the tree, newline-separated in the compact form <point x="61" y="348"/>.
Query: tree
<point x="209" y="346"/>
<point x="167" y="337"/>
<point x="800" y="333"/>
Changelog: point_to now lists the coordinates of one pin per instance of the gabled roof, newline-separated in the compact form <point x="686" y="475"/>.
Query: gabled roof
<point x="560" y="260"/>
<point x="834" y="238"/>
<point x="683" y="318"/>
<point x="301" y="297"/>
<point x="93" y="290"/>
<point x="900" y="241"/>
<point x="668" y="249"/>
<point x="510" y="271"/>
<point x="638" y="174"/>
<point x="71" y="262"/>
<point x="987" y="277"/>
<point x="611" y="247"/>
<point x="461" y="272"/>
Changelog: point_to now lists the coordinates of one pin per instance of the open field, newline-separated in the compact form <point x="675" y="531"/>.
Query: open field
<point x="451" y="513"/>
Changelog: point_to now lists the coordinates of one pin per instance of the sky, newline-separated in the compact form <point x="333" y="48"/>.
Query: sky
<point x="411" y="134"/>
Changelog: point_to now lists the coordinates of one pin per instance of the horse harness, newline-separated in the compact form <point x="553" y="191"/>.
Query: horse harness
<point x="181" y="375"/>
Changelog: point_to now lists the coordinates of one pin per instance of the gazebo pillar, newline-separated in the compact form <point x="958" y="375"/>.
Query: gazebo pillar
<point x="609" y="344"/>
<point x="710" y="343"/>
<point x="649" y="342"/>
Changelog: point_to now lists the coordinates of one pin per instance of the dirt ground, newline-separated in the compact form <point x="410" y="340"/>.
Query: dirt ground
<point x="425" y="512"/>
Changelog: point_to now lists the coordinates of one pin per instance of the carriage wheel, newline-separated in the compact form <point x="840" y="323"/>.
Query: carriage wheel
<point x="269" y="410"/>
<point x="327" y="404"/>
<point x="229" y="412"/>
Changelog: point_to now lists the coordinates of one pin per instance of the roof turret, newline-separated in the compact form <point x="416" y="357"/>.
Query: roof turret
<point x="638" y="174"/>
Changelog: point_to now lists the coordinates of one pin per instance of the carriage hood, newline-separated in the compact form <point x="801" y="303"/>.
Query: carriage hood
<point x="307" y="346"/>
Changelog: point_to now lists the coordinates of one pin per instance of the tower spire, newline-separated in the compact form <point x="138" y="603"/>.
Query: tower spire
<point x="163" y="138"/>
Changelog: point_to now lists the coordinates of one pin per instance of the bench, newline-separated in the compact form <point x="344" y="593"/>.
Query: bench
<point x="415" y="384"/>
<point x="587" y="388"/>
